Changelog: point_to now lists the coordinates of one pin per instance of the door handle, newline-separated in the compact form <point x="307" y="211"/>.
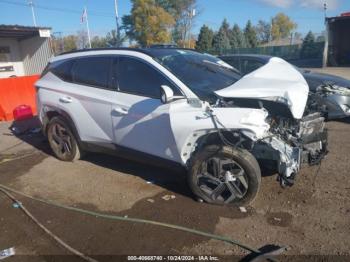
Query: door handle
<point x="66" y="100"/>
<point x="120" y="110"/>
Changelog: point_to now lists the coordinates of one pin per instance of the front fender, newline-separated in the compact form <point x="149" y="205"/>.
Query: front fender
<point x="189" y="123"/>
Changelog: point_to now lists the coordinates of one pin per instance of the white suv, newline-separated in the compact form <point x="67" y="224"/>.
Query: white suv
<point x="184" y="108"/>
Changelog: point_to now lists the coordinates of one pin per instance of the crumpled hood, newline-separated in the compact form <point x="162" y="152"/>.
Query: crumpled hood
<point x="276" y="81"/>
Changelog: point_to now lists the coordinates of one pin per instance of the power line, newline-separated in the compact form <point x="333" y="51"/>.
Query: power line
<point x="58" y="9"/>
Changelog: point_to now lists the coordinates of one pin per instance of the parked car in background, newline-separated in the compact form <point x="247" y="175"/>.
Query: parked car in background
<point x="330" y="94"/>
<point x="180" y="107"/>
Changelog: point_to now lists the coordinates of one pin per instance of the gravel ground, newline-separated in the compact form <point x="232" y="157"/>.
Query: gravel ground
<point x="339" y="71"/>
<point x="312" y="217"/>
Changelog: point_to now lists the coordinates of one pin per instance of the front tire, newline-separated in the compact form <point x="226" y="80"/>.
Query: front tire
<point x="62" y="141"/>
<point x="225" y="176"/>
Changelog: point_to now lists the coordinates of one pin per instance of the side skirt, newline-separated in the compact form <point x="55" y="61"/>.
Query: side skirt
<point x="130" y="154"/>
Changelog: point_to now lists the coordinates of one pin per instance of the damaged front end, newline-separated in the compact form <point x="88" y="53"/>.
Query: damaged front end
<point x="289" y="143"/>
<point x="293" y="143"/>
<point x="295" y="137"/>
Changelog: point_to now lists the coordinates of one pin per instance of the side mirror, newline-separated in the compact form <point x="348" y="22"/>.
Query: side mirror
<point x="166" y="94"/>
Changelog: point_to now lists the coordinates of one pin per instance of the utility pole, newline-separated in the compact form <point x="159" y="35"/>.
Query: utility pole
<point x="84" y="18"/>
<point x="325" y="50"/>
<point x="117" y="21"/>
<point x="30" y="3"/>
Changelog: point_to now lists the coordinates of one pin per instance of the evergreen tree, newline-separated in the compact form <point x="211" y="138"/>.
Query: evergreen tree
<point x="309" y="49"/>
<point x="236" y="37"/>
<point x="226" y="27"/>
<point x="250" y="35"/>
<point x="205" y="39"/>
<point x="221" y="41"/>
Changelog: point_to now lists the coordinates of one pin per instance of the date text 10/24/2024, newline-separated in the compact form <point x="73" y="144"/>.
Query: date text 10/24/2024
<point x="173" y="258"/>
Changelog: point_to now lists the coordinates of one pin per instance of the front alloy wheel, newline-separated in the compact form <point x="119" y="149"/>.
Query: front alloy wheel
<point x="224" y="175"/>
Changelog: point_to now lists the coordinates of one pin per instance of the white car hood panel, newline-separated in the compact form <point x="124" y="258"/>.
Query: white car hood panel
<point x="277" y="80"/>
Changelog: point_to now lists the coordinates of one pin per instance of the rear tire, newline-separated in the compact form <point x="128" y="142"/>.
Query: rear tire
<point x="62" y="140"/>
<point x="225" y="176"/>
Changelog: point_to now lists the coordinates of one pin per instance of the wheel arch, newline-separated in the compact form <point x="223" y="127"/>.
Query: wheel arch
<point x="51" y="112"/>
<point x="201" y="139"/>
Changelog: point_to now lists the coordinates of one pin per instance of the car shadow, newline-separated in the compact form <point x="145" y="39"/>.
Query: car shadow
<point x="174" y="180"/>
<point x="29" y="131"/>
<point x="345" y="120"/>
<point x="171" y="179"/>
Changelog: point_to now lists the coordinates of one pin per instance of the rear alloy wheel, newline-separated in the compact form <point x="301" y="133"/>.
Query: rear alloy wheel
<point x="224" y="175"/>
<point x="62" y="140"/>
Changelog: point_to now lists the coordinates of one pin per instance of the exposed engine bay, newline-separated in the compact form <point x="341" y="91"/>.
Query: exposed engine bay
<point x="291" y="142"/>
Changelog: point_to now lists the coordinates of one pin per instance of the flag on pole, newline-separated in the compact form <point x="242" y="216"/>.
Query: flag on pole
<point x="83" y="16"/>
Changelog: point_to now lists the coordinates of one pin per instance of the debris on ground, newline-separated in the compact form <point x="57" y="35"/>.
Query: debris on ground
<point x="15" y="205"/>
<point x="277" y="219"/>
<point x="168" y="197"/>
<point x="243" y="209"/>
<point x="150" y="200"/>
<point x="150" y="182"/>
<point x="7" y="253"/>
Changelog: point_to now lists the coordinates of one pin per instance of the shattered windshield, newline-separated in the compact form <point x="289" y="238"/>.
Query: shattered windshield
<point x="202" y="73"/>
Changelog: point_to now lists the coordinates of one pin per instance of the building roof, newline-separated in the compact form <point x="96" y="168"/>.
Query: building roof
<point x="337" y="18"/>
<point x="19" y="31"/>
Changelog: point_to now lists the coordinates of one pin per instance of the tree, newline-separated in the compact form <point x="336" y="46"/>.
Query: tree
<point x="205" y="39"/>
<point x="263" y="30"/>
<point x="82" y="41"/>
<point x="282" y="26"/>
<point x="69" y="43"/>
<point x="309" y="49"/>
<point x="226" y="27"/>
<point x="236" y="37"/>
<point x="183" y="13"/>
<point x="148" y="24"/>
<point x="113" y="39"/>
<point x="250" y="35"/>
<point x="221" y="41"/>
<point x="98" y="42"/>
<point x="128" y="27"/>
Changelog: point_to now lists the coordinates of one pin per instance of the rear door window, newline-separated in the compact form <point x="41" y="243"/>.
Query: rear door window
<point x="92" y="71"/>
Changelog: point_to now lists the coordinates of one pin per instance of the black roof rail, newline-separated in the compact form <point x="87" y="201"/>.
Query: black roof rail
<point x="141" y="50"/>
<point x="147" y="51"/>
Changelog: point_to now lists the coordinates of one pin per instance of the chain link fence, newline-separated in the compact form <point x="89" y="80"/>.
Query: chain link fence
<point x="302" y="55"/>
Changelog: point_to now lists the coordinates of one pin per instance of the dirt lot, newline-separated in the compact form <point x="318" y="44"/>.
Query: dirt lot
<point x="339" y="71"/>
<point x="312" y="217"/>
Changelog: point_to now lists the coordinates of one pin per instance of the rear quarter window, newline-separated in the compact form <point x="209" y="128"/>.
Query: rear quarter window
<point x="62" y="69"/>
<point x="92" y="71"/>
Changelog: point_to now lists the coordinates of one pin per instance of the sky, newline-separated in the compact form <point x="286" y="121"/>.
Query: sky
<point x="66" y="15"/>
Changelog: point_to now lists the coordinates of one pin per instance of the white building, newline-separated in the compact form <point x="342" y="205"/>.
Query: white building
<point x="23" y="50"/>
